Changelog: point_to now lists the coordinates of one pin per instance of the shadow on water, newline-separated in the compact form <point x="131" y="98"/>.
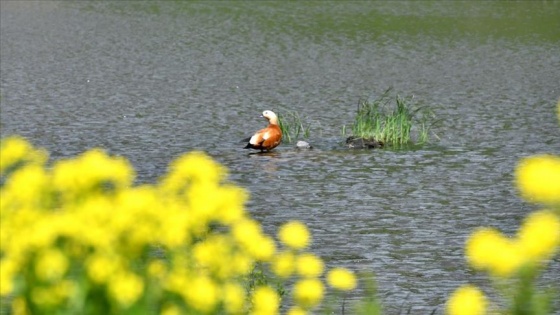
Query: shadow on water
<point x="265" y="153"/>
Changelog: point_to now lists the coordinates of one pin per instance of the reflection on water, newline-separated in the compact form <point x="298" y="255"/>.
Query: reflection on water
<point x="150" y="81"/>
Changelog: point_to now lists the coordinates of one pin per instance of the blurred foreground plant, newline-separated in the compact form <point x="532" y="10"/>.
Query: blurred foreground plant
<point x="78" y="237"/>
<point x="515" y="263"/>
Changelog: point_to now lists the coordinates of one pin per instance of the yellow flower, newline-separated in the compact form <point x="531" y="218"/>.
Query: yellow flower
<point x="203" y="204"/>
<point x="231" y="204"/>
<point x="296" y="311"/>
<point x="480" y="246"/>
<point x="234" y="298"/>
<point x="12" y="151"/>
<point x="283" y="264"/>
<point x="213" y="254"/>
<point x="15" y="150"/>
<point x="100" y="267"/>
<point x="539" y="236"/>
<point x="177" y="224"/>
<point x="487" y="249"/>
<point x="538" y="178"/>
<point x="102" y="167"/>
<point x="241" y="263"/>
<point x="157" y="269"/>
<point x="265" y="301"/>
<point x="466" y="300"/>
<point x="178" y="279"/>
<point x="92" y="170"/>
<point x="263" y="248"/>
<point x="308" y="292"/>
<point x="202" y="293"/>
<point x="126" y="288"/>
<point x="28" y="185"/>
<point x="51" y="265"/>
<point x="309" y="265"/>
<point x="294" y="234"/>
<point x="194" y="167"/>
<point x="249" y="234"/>
<point x="341" y="279"/>
<point x="246" y="230"/>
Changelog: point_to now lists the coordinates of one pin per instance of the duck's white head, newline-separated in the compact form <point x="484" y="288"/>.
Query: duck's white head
<point x="270" y="116"/>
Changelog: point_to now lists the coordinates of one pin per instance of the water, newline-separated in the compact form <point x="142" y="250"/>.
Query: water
<point x="153" y="80"/>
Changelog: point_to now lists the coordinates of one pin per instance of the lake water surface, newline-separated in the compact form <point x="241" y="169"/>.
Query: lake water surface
<point x="152" y="80"/>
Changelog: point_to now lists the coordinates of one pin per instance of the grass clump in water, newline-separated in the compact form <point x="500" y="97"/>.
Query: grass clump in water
<point x="292" y="126"/>
<point x="378" y="121"/>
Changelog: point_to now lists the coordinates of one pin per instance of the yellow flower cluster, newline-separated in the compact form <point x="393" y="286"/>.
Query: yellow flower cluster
<point x="79" y="235"/>
<point x="537" y="240"/>
<point x="294" y="234"/>
<point x="538" y="178"/>
<point x="16" y="151"/>
<point x="523" y="256"/>
<point x="308" y="290"/>
<point x="467" y="300"/>
<point x="342" y="279"/>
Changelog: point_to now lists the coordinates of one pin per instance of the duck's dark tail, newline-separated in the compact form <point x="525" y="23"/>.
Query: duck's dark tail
<point x="246" y="140"/>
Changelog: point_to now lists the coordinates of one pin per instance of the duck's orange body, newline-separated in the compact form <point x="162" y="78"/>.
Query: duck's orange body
<point x="267" y="138"/>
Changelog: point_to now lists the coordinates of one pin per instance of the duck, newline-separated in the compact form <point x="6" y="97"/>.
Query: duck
<point x="268" y="138"/>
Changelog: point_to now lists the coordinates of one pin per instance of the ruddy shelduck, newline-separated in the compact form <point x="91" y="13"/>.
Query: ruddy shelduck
<point x="268" y="138"/>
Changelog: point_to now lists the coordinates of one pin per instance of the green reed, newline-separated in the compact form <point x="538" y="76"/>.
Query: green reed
<point x="381" y="121"/>
<point x="292" y="126"/>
